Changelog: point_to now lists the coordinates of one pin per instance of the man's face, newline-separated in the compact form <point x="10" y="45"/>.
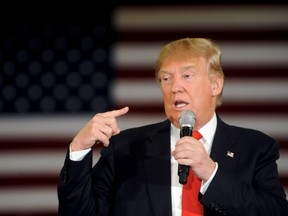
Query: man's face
<point x="185" y="85"/>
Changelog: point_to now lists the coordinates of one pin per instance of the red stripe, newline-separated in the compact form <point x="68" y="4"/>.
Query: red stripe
<point x="278" y="108"/>
<point x="162" y="35"/>
<point x="41" y="144"/>
<point x="254" y="108"/>
<point x="45" y="144"/>
<point x="28" y="181"/>
<point x="272" y="71"/>
<point x="284" y="180"/>
<point x="143" y="4"/>
<point x="19" y="145"/>
<point x="52" y="180"/>
<point x="27" y="213"/>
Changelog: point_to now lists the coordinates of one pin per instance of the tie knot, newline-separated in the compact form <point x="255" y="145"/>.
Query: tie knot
<point x="197" y="135"/>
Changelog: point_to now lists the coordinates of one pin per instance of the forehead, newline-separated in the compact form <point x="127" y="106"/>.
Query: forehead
<point x="183" y="64"/>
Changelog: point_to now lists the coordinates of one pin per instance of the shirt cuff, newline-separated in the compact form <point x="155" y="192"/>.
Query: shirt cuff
<point x="78" y="155"/>
<point x="207" y="183"/>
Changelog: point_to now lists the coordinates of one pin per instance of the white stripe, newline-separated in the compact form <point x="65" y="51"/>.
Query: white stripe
<point x="282" y="163"/>
<point x="243" y="90"/>
<point x="254" y="54"/>
<point x="242" y="54"/>
<point x="23" y="164"/>
<point x="135" y="55"/>
<point x="33" y="199"/>
<point x="30" y="200"/>
<point x="200" y="17"/>
<point x="275" y="125"/>
<point x="20" y="164"/>
<point x="34" y="163"/>
<point x="144" y="91"/>
<point x="235" y="90"/>
<point x="37" y="126"/>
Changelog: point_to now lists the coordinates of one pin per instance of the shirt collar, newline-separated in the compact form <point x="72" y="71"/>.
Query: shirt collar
<point x="207" y="131"/>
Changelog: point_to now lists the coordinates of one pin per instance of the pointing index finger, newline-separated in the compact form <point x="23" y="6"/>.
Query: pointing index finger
<point x="117" y="113"/>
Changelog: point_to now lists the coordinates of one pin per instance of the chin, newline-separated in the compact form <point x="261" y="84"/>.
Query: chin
<point x="174" y="119"/>
<point x="173" y="113"/>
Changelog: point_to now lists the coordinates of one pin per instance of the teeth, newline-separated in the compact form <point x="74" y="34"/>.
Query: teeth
<point x="179" y="105"/>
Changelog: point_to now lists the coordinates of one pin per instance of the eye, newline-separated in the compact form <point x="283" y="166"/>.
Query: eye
<point x="165" y="78"/>
<point x="187" y="75"/>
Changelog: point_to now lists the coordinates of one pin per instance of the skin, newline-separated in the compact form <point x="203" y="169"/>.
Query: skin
<point x="98" y="130"/>
<point x="185" y="84"/>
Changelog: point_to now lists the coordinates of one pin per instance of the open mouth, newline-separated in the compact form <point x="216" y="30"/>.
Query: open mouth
<point x="180" y="104"/>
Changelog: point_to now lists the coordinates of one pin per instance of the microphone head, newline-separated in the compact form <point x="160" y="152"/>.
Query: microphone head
<point x="187" y="119"/>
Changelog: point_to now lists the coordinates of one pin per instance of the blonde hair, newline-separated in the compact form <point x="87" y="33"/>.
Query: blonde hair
<point x="193" y="47"/>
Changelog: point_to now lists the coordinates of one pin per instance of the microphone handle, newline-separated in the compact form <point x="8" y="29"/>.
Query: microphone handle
<point x="185" y="131"/>
<point x="183" y="170"/>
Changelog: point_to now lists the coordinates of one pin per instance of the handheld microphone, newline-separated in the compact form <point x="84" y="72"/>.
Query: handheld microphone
<point x="187" y="121"/>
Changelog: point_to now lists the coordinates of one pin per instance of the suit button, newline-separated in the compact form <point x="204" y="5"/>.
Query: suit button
<point x="212" y="204"/>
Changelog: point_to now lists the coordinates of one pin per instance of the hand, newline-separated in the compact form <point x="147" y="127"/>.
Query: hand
<point x="191" y="152"/>
<point x="98" y="130"/>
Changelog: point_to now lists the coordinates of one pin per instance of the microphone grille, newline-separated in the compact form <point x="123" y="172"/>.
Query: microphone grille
<point x="187" y="118"/>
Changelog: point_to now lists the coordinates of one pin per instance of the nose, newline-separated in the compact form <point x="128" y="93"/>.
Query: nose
<point x="177" y="85"/>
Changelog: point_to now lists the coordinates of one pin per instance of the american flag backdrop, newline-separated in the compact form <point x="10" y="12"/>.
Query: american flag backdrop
<point x="59" y="68"/>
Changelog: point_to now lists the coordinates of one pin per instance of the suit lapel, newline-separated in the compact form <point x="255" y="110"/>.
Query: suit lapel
<point x="224" y="149"/>
<point x="158" y="169"/>
<point x="157" y="163"/>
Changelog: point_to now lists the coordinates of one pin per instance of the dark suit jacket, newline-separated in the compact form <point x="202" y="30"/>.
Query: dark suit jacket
<point x="133" y="176"/>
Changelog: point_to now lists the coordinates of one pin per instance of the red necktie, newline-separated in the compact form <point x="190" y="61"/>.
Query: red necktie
<point x="190" y="204"/>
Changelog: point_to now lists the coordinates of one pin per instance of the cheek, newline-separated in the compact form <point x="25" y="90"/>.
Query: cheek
<point x="167" y="102"/>
<point x="165" y="93"/>
<point x="200" y="92"/>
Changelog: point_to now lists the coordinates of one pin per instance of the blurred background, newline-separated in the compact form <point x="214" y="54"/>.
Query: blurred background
<point x="61" y="64"/>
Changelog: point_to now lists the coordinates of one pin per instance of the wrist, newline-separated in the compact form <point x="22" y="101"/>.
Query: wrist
<point x="75" y="147"/>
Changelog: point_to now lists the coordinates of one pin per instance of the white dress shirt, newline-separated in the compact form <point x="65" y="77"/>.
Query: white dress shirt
<point x="207" y="132"/>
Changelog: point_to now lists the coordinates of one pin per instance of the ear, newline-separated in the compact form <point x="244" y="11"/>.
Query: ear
<point x="217" y="85"/>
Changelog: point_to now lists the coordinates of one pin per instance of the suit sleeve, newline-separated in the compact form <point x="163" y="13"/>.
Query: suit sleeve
<point x="259" y="194"/>
<point x="75" y="193"/>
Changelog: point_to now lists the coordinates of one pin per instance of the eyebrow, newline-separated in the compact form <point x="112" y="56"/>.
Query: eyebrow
<point x="189" y="67"/>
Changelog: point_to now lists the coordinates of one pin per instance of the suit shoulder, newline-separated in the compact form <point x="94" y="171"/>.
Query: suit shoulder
<point x="248" y="137"/>
<point x="245" y="132"/>
<point x="255" y="141"/>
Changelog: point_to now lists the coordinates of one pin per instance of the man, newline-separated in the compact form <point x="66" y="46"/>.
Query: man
<point x="137" y="171"/>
